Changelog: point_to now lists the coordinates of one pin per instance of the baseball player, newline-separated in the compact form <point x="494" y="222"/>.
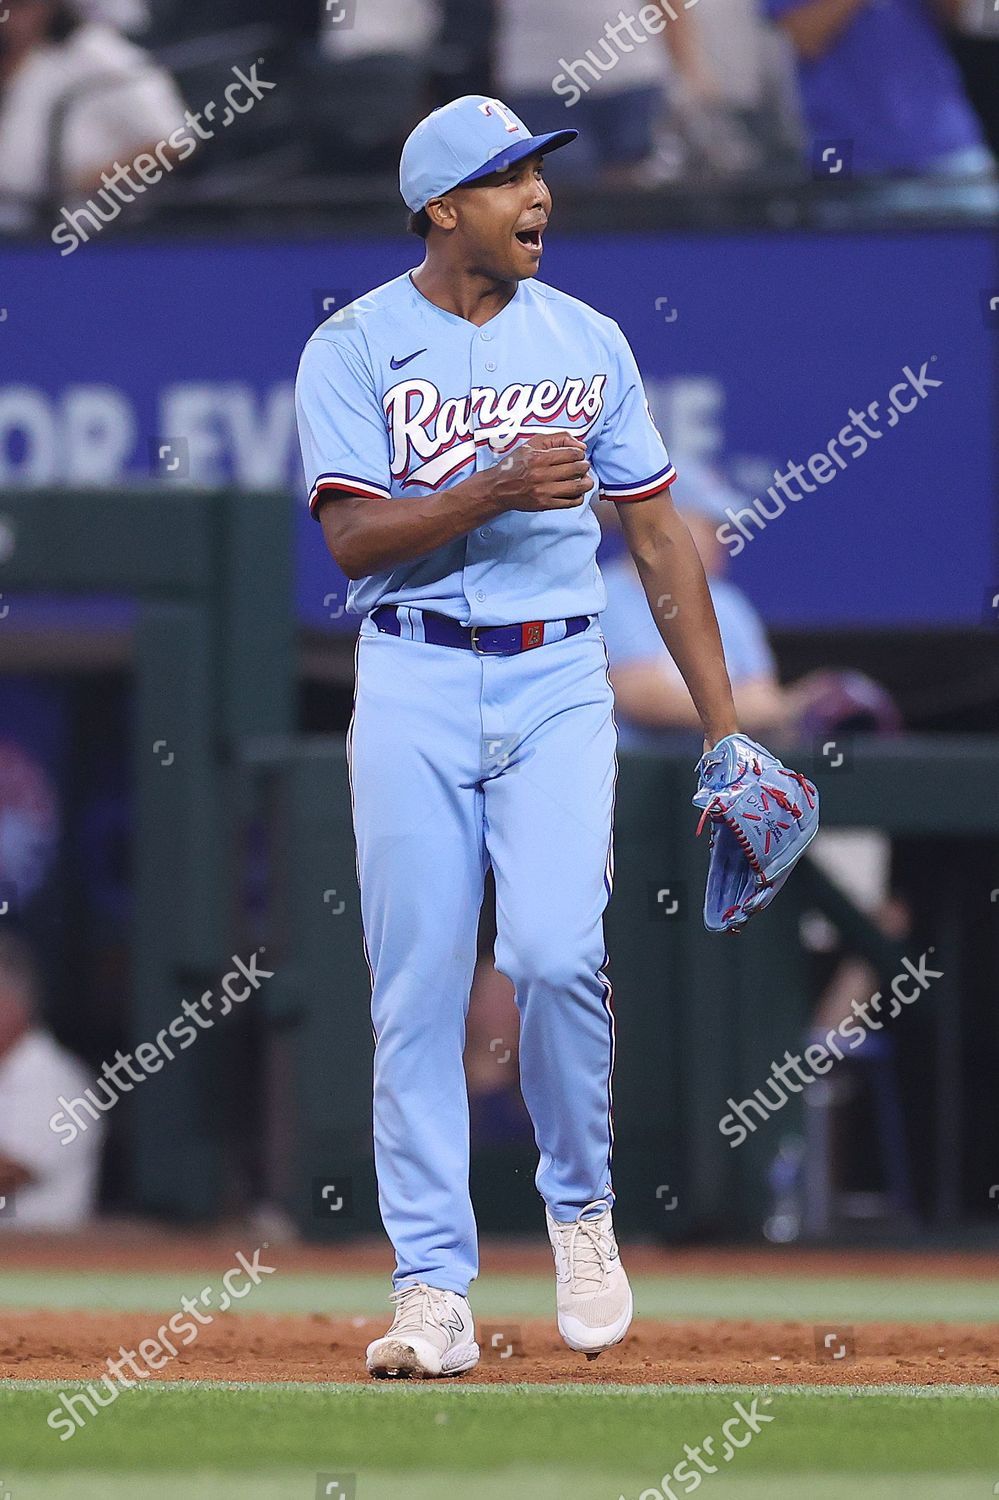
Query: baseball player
<point x="456" y="424"/>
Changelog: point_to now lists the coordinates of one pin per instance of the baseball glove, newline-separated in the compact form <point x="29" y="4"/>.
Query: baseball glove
<point x="762" y="816"/>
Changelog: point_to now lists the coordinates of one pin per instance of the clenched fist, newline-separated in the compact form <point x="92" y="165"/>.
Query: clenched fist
<point x="547" y="472"/>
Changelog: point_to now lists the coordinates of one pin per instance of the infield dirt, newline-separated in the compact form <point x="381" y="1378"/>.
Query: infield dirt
<point x="72" y="1346"/>
<point x="69" y="1345"/>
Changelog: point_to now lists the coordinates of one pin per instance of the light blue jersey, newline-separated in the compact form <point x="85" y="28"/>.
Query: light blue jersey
<point x="398" y="398"/>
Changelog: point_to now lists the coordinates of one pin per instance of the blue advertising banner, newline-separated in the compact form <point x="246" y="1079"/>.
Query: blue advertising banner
<point x="845" y="384"/>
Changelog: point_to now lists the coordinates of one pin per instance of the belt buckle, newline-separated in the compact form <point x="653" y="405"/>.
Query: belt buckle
<point x="474" y="637"/>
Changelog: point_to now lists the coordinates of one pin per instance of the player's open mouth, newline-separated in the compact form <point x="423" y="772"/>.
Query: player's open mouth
<point x="530" y="237"/>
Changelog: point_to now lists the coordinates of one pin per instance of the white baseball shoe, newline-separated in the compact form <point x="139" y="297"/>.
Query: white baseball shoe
<point x="594" y="1300"/>
<point x="432" y="1334"/>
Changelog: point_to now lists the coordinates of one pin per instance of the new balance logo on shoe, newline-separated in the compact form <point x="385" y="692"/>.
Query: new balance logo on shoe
<point x="454" y="1323"/>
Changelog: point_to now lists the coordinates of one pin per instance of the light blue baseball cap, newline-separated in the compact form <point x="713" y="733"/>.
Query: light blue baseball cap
<point x="462" y="141"/>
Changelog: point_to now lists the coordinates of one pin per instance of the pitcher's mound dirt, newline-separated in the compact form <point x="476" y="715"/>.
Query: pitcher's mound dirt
<point x="72" y="1346"/>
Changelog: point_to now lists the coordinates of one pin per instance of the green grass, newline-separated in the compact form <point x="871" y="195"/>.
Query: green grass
<point x="508" y="1440"/>
<point x="853" y="1299"/>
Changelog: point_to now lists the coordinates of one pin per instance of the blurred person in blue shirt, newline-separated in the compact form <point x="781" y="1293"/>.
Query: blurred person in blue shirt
<point x="653" y="708"/>
<point x="880" y="88"/>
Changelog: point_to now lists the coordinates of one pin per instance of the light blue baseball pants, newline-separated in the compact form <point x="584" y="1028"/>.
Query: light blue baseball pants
<point x="459" y="760"/>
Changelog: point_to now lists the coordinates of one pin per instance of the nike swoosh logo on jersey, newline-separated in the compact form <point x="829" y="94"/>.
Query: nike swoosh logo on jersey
<point x="397" y="364"/>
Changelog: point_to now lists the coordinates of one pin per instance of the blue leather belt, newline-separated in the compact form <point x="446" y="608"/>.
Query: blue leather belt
<point x="484" y="640"/>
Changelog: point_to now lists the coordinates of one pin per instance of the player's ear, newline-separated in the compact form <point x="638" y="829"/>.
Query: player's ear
<point x="441" y="212"/>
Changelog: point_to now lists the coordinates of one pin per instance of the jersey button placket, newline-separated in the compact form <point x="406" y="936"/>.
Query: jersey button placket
<point x="471" y="569"/>
<point x="489" y="709"/>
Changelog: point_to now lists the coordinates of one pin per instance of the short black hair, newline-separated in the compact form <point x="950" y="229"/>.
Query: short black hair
<point x="419" y="223"/>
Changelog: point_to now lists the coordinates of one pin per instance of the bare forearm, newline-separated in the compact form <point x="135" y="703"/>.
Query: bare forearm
<point x="677" y="590"/>
<point x="687" y="54"/>
<point x="382" y="535"/>
<point x="548" y="472"/>
<point x="657" y="700"/>
<point x="814" y="27"/>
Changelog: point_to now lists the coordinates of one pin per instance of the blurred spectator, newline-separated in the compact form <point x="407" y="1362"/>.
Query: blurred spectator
<point x="51" y="1185"/>
<point x="129" y="16"/>
<point x="75" y="96"/>
<point x="880" y="89"/>
<point x="756" y="104"/>
<point x="369" y="81"/>
<point x="566" y="62"/>
<point x="975" y="43"/>
<point x="29" y="822"/>
<point x="652" y="704"/>
<point x="650" y="695"/>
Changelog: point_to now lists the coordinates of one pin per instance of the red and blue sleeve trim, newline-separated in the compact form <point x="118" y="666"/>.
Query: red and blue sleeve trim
<point x="350" y="484"/>
<point x="642" y="491"/>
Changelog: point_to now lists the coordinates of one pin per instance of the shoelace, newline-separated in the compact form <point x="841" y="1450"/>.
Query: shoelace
<point x="417" y="1305"/>
<point x="588" y="1245"/>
